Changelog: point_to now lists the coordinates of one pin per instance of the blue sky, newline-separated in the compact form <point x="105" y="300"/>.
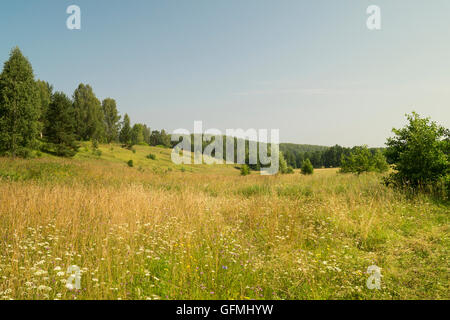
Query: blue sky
<point x="309" y="68"/>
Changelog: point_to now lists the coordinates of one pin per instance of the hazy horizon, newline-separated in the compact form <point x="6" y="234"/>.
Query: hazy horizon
<point x="309" y="68"/>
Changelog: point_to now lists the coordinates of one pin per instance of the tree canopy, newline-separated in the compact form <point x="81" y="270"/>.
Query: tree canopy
<point x="88" y="114"/>
<point x="60" y="128"/>
<point x="111" y="118"/>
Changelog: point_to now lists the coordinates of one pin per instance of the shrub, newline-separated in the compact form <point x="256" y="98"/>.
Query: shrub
<point x="95" y="150"/>
<point x="97" y="153"/>
<point x="420" y="155"/>
<point x="130" y="163"/>
<point x="245" y="170"/>
<point x="307" y="167"/>
<point x="290" y="170"/>
<point x="151" y="156"/>
<point x="255" y="190"/>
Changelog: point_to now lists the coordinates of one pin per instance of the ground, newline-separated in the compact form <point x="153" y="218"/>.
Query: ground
<point x="162" y="231"/>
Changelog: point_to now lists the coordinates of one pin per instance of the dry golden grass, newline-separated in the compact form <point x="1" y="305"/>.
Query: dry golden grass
<point x="151" y="232"/>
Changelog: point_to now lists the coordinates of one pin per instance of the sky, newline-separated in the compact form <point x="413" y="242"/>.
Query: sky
<point x="311" y="69"/>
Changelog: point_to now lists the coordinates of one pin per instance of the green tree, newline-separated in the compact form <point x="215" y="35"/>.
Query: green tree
<point x="88" y="114"/>
<point x="147" y="134"/>
<point x="60" y="129"/>
<point x="165" y="139"/>
<point x="357" y="162"/>
<point x="420" y="153"/>
<point x="158" y="138"/>
<point x="125" y="132"/>
<point x="379" y="162"/>
<point x="361" y="159"/>
<point x="283" y="167"/>
<point x="19" y="106"/>
<point x="45" y="95"/>
<point x="112" y="118"/>
<point x="137" y="134"/>
<point x="307" y="167"/>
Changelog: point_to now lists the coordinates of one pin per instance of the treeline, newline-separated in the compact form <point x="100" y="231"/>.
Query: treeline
<point x="320" y="157"/>
<point x="34" y="118"/>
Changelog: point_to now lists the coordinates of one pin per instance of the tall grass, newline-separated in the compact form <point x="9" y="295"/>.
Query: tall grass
<point x="212" y="234"/>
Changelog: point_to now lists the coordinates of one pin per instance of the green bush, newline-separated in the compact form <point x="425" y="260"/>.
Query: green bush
<point x="245" y="170"/>
<point x="151" y="156"/>
<point x="420" y="155"/>
<point x="307" y="167"/>
<point x="130" y="163"/>
<point x="290" y="170"/>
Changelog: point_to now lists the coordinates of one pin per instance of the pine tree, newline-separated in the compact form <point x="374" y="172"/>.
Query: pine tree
<point x="307" y="167"/>
<point x="60" y="128"/>
<point x="19" y="106"/>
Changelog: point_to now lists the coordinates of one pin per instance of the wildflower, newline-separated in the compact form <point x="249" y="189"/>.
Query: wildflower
<point x="40" y="273"/>
<point x="44" y="288"/>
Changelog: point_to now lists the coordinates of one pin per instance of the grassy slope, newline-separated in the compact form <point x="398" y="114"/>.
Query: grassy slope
<point x="157" y="231"/>
<point x="163" y="162"/>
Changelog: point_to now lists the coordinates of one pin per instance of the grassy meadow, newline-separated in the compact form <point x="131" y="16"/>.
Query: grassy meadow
<point x="162" y="231"/>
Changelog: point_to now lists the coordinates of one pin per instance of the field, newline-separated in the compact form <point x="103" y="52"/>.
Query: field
<point x="161" y="231"/>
